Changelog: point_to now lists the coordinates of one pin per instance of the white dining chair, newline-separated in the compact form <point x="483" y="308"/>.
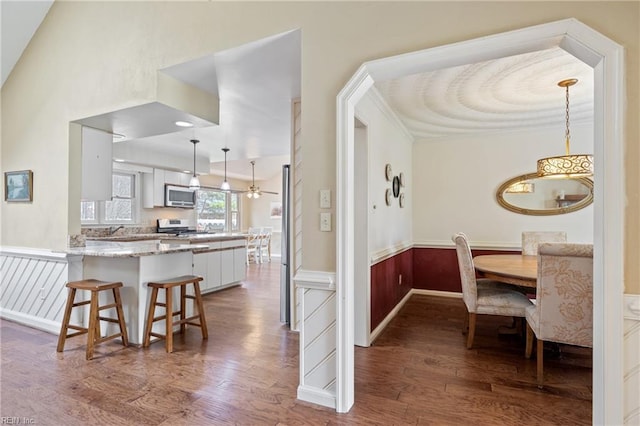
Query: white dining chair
<point x="265" y="243"/>
<point x="532" y="239"/>
<point x="483" y="296"/>
<point x="564" y="309"/>
<point x="254" y="245"/>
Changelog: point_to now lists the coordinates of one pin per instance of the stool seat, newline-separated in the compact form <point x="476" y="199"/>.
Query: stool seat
<point x="168" y="285"/>
<point x="93" y="329"/>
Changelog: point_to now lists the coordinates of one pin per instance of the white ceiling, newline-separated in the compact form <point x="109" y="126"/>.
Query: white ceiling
<point x="19" y="20"/>
<point x="514" y="93"/>
<point x="257" y="81"/>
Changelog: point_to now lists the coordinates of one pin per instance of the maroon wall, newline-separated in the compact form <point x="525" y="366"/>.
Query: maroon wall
<point x="437" y="268"/>
<point x="421" y="268"/>
<point x="386" y="291"/>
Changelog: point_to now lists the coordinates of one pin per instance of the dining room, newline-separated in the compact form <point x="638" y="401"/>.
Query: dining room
<point x="471" y="169"/>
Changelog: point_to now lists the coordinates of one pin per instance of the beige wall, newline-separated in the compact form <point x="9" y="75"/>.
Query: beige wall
<point x="93" y="57"/>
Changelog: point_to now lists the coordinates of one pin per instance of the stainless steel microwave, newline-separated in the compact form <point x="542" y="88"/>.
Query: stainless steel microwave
<point x="179" y="196"/>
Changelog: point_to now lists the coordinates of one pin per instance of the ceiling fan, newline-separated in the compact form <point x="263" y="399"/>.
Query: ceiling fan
<point x="254" y="191"/>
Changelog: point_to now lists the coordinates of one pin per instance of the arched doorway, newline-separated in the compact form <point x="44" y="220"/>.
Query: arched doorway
<point x="606" y="59"/>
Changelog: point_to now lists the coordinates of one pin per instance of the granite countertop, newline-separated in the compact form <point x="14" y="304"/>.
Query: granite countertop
<point x="136" y="250"/>
<point x="128" y="237"/>
<point x="204" y="238"/>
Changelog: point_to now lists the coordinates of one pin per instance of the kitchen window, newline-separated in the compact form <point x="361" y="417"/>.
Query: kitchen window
<point x="121" y="209"/>
<point x="217" y="211"/>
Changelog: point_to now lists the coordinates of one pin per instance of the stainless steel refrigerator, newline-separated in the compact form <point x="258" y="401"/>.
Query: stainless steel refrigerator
<point x="285" y="272"/>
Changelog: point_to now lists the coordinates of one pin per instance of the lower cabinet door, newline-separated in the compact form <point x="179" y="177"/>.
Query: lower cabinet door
<point x="226" y="267"/>
<point x="213" y="269"/>
<point x="200" y="267"/>
<point x="240" y="264"/>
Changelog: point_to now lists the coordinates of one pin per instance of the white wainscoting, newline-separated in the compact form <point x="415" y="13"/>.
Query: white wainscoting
<point x="317" y="295"/>
<point x="32" y="285"/>
<point x="632" y="359"/>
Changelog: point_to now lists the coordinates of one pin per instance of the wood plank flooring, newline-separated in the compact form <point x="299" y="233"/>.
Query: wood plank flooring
<point x="418" y="372"/>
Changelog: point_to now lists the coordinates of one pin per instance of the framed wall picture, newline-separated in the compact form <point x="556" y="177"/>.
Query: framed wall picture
<point x="275" y="210"/>
<point x="18" y="186"/>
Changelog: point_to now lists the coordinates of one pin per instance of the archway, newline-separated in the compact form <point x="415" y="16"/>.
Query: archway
<point x="606" y="58"/>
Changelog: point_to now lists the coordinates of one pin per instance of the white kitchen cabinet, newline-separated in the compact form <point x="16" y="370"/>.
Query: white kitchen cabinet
<point x="221" y="267"/>
<point x="226" y="267"/>
<point x="213" y="270"/>
<point x="160" y="178"/>
<point x="240" y="263"/>
<point x="97" y="165"/>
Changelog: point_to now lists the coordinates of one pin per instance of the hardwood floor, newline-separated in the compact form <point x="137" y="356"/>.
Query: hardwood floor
<point x="418" y="372"/>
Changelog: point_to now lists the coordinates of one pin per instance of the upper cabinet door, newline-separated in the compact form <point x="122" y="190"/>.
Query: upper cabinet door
<point x="97" y="166"/>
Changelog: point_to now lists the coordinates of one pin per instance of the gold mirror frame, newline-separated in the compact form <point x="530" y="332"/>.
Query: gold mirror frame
<point x="546" y="212"/>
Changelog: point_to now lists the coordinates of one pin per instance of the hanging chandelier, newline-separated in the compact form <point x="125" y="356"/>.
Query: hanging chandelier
<point x="225" y="185"/>
<point x="569" y="165"/>
<point x="194" y="183"/>
<point x="254" y="191"/>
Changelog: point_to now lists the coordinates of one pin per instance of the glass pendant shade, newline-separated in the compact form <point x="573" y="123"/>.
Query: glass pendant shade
<point x="194" y="183"/>
<point x="566" y="166"/>
<point x="225" y="186"/>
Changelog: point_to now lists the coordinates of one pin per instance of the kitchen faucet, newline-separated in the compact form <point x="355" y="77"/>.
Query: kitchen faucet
<point x="113" y="229"/>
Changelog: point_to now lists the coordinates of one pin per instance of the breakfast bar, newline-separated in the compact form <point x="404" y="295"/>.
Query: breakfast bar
<point x="135" y="265"/>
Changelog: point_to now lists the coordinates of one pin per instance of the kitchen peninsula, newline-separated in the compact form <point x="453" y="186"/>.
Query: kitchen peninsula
<point x="135" y="265"/>
<point x="136" y="259"/>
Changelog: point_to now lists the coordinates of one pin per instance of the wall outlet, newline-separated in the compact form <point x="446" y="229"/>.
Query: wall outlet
<point x="325" y="222"/>
<point x="325" y="198"/>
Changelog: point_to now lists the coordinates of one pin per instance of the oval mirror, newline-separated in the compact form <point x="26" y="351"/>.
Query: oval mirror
<point x="531" y="195"/>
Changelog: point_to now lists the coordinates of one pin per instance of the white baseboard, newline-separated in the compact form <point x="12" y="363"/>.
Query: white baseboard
<point x="316" y="396"/>
<point x="31" y="321"/>
<point x="391" y="315"/>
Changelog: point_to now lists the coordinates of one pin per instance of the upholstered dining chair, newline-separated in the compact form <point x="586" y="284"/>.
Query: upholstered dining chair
<point x="564" y="309"/>
<point x="483" y="296"/>
<point x="532" y="239"/>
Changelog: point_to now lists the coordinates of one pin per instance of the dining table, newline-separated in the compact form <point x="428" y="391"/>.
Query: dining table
<point x="516" y="269"/>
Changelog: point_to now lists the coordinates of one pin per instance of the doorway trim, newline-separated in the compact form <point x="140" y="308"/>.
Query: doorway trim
<point x="607" y="60"/>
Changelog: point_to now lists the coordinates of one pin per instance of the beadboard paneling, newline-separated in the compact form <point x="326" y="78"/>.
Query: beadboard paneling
<point x="32" y="287"/>
<point x="317" y="295"/>
<point x="631" y="362"/>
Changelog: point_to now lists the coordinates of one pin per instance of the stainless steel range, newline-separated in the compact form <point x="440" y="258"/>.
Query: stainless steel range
<point x="175" y="226"/>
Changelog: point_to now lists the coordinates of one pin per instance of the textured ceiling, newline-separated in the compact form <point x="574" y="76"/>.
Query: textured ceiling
<point x="513" y="93"/>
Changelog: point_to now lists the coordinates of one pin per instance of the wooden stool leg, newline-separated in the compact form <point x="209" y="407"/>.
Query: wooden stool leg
<point x="152" y="312"/>
<point x="65" y="319"/>
<point x="93" y="318"/>
<point x="203" y="322"/>
<point x="183" y="307"/>
<point x="120" y="313"/>
<point x="169" y="320"/>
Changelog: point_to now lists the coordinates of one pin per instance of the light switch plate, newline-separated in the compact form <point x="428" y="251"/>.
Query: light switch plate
<point x="325" y="198"/>
<point x="325" y="222"/>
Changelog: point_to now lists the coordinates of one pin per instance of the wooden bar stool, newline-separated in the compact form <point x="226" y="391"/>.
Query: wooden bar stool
<point x="168" y="285"/>
<point x="93" y="330"/>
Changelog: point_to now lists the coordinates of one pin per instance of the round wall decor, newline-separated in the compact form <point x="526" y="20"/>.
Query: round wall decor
<point x="396" y="186"/>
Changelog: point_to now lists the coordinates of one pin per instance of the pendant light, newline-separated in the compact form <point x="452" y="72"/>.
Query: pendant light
<point x="569" y="165"/>
<point x="194" y="183"/>
<point x="225" y="185"/>
<point x="254" y="191"/>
